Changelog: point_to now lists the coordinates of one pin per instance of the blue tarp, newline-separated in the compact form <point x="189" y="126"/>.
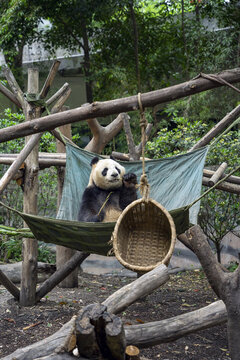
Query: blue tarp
<point x="174" y="181"/>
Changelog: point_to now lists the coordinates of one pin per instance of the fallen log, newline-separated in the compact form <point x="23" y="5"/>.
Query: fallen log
<point x="98" y="109"/>
<point x="142" y="286"/>
<point x="142" y="335"/>
<point x="13" y="271"/>
<point x="59" y="343"/>
<point x="158" y="332"/>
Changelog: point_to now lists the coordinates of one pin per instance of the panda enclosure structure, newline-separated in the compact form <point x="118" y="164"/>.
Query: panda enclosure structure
<point x="98" y="324"/>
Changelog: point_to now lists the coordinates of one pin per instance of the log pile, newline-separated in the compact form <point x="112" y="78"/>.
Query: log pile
<point x="99" y="334"/>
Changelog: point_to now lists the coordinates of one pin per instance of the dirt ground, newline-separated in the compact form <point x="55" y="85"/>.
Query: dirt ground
<point x="184" y="292"/>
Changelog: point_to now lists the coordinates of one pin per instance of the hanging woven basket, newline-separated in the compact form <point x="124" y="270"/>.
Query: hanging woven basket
<point x="144" y="236"/>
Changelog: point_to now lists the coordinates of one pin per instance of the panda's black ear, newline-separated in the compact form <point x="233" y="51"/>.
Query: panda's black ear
<point x="94" y="160"/>
<point x="112" y="157"/>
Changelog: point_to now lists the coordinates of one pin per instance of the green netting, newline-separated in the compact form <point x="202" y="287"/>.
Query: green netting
<point x="175" y="183"/>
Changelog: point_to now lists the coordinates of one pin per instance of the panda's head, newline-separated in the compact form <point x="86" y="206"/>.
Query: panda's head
<point x="106" y="174"/>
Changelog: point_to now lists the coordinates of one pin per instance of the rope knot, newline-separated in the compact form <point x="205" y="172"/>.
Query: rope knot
<point x="144" y="187"/>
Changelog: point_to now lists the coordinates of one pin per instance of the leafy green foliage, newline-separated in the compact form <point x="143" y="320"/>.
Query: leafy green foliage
<point x="219" y="212"/>
<point x="219" y="215"/>
<point x="11" y="250"/>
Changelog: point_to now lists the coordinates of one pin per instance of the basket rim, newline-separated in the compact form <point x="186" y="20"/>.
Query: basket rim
<point x="138" y="268"/>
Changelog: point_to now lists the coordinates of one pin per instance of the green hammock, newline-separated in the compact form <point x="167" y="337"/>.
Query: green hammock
<point x="175" y="182"/>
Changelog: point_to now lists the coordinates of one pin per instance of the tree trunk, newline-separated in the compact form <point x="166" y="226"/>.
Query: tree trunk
<point x="233" y="327"/>
<point x="225" y="284"/>
<point x="30" y="246"/>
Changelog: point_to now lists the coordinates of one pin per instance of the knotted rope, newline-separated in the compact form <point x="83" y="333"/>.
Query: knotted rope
<point x="144" y="185"/>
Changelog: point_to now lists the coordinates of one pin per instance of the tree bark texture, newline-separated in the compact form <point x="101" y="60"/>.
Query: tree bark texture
<point x="117" y="106"/>
<point x="225" y="284"/>
<point x="143" y="286"/>
<point x="30" y="246"/>
<point x="100" y="334"/>
<point x="158" y="332"/>
<point x="103" y="135"/>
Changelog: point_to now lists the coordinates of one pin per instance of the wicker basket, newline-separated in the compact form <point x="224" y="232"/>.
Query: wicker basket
<point x="144" y="236"/>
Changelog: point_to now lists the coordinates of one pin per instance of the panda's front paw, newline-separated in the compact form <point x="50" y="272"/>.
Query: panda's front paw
<point x="130" y="179"/>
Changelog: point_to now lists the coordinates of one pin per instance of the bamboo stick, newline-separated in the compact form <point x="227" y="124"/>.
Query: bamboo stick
<point x="217" y="175"/>
<point x="224" y="186"/>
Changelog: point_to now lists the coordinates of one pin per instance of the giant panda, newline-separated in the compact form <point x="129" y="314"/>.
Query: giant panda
<point x="108" y="184"/>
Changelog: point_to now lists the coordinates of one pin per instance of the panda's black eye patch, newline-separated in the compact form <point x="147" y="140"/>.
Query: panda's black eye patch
<point x="118" y="170"/>
<point x="104" y="172"/>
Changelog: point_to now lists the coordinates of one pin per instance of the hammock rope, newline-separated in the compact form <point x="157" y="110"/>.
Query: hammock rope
<point x="144" y="186"/>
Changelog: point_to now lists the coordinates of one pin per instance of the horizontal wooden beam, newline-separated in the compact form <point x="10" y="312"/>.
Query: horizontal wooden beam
<point x="99" y="109"/>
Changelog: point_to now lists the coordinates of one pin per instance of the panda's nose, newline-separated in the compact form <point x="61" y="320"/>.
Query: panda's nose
<point x="115" y="174"/>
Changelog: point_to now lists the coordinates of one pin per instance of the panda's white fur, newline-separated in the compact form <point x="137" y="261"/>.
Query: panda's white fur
<point x="107" y="174"/>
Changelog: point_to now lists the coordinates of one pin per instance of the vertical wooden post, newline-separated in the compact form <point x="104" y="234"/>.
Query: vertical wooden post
<point x="30" y="246"/>
<point x="63" y="254"/>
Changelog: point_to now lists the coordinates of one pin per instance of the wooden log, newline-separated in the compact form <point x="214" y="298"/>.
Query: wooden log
<point x="120" y="156"/>
<point x="14" y="86"/>
<point x="30" y="246"/>
<point x="232" y="179"/>
<point x="100" y="334"/>
<point x="98" y="109"/>
<point x="217" y="175"/>
<point x="57" y="95"/>
<point x="130" y="141"/>
<point x="142" y="286"/>
<point x="8" y="284"/>
<point x="64" y="356"/>
<point x="218" y="128"/>
<point x="132" y="353"/>
<point x="50" y="78"/>
<point x="224" y="186"/>
<point x="61" y="100"/>
<point x="115" y="338"/>
<point x="85" y="332"/>
<point x="158" y="332"/>
<point x="9" y="95"/>
<point x="102" y="135"/>
<point x="60" y="274"/>
<point x="12" y="170"/>
<point x="58" y="343"/>
<point x="43" y="162"/>
<point x="13" y="271"/>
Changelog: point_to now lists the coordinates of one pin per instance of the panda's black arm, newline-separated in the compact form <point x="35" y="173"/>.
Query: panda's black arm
<point x="89" y="207"/>
<point x="128" y="191"/>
